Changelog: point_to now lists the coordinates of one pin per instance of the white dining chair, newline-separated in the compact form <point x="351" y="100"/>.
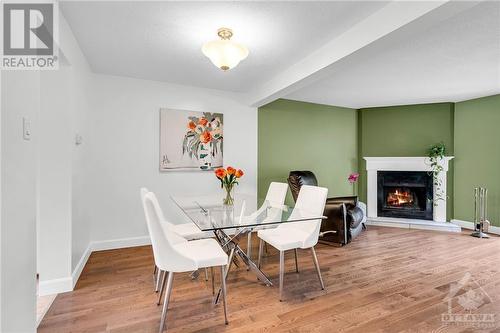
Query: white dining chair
<point x="297" y="235"/>
<point x="188" y="230"/>
<point x="275" y="198"/>
<point x="174" y="254"/>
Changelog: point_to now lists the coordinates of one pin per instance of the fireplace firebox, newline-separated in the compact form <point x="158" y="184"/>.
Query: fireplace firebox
<point x="405" y="194"/>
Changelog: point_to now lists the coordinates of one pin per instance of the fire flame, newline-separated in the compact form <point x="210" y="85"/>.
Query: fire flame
<point x="399" y="198"/>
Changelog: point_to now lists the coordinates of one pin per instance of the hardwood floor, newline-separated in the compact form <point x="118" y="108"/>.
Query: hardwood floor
<point x="387" y="280"/>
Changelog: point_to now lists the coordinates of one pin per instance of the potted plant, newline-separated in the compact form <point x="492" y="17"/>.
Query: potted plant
<point x="436" y="153"/>
<point x="352" y="179"/>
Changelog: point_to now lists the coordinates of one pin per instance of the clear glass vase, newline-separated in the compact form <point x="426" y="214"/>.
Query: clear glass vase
<point x="228" y="199"/>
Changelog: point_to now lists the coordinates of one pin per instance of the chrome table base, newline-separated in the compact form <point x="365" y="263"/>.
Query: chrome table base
<point x="230" y="244"/>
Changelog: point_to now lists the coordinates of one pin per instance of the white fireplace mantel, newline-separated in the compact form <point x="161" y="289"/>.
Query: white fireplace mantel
<point x="374" y="164"/>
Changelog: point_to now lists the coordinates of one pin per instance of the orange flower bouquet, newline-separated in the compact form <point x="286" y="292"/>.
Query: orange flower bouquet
<point x="228" y="178"/>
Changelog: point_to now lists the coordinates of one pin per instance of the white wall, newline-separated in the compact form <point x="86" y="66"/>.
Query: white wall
<point x="54" y="177"/>
<point x="90" y="192"/>
<point x="20" y="98"/>
<point x="82" y="194"/>
<point x="124" y="151"/>
<point x="80" y="83"/>
<point x="63" y="228"/>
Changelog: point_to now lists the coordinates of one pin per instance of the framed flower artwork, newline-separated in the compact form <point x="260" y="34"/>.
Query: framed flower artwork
<point x="190" y="140"/>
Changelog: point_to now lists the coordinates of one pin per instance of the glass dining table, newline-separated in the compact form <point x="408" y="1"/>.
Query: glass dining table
<point x="230" y="223"/>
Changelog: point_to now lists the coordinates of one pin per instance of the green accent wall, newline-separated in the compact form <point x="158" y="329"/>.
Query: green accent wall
<point x="407" y="130"/>
<point x="332" y="141"/>
<point x="477" y="150"/>
<point x="304" y="136"/>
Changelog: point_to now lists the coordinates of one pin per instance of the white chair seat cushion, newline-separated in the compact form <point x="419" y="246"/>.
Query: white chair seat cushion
<point x="283" y="238"/>
<point x="205" y="252"/>
<point x="190" y="231"/>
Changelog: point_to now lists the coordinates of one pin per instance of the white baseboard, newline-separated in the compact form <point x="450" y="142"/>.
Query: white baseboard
<point x="470" y="225"/>
<point x="120" y="243"/>
<point x="81" y="264"/>
<point x="56" y="286"/>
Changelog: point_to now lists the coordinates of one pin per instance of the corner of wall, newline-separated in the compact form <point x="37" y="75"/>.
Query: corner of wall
<point x="80" y="266"/>
<point x="361" y="189"/>
<point x="68" y="283"/>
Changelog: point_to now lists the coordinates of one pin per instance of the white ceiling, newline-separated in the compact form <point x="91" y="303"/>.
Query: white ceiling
<point x="162" y="40"/>
<point x="388" y="53"/>
<point x="453" y="60"/>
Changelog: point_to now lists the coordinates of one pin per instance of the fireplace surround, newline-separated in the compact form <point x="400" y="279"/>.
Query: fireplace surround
<point x="375" y="216"/>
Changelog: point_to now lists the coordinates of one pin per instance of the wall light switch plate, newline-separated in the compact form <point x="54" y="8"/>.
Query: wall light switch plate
<point x="26" y="129"/>
<point x="78" y="139"/>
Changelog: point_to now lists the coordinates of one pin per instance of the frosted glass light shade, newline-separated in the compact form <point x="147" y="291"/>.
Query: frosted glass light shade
<point x="225" y="53"/>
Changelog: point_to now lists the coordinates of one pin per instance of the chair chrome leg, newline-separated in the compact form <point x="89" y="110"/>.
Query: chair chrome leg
<point x="224" y="277"/>
<point x="296" y="262"/>
<point x="315" y="258"/>
<point x="162" y="287"/>
<point x="206" y="274"/>
<point x="249" y="246"/>
<point x="224" y="292"/>
<point x="165" y="301"/>
<point x="364" y="225"/>
<point x="261" y="245"/>
<point x="155" y="278"/>
<point x="230" y="263"/>
<point x="213" y="280"/>
<point x="194" y="274"/>
<point x="282" y="273"/>
<point x="158" y="280"/>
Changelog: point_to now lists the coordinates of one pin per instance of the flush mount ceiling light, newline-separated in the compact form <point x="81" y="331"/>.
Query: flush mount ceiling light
<point x="224" y="53"/>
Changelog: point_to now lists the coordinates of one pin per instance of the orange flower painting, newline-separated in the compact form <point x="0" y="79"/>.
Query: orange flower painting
<point x="203" y="122"/>
<point x="191" y="125"/>
<point x="205" y="137"/>
<point x="190" y="139"/>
